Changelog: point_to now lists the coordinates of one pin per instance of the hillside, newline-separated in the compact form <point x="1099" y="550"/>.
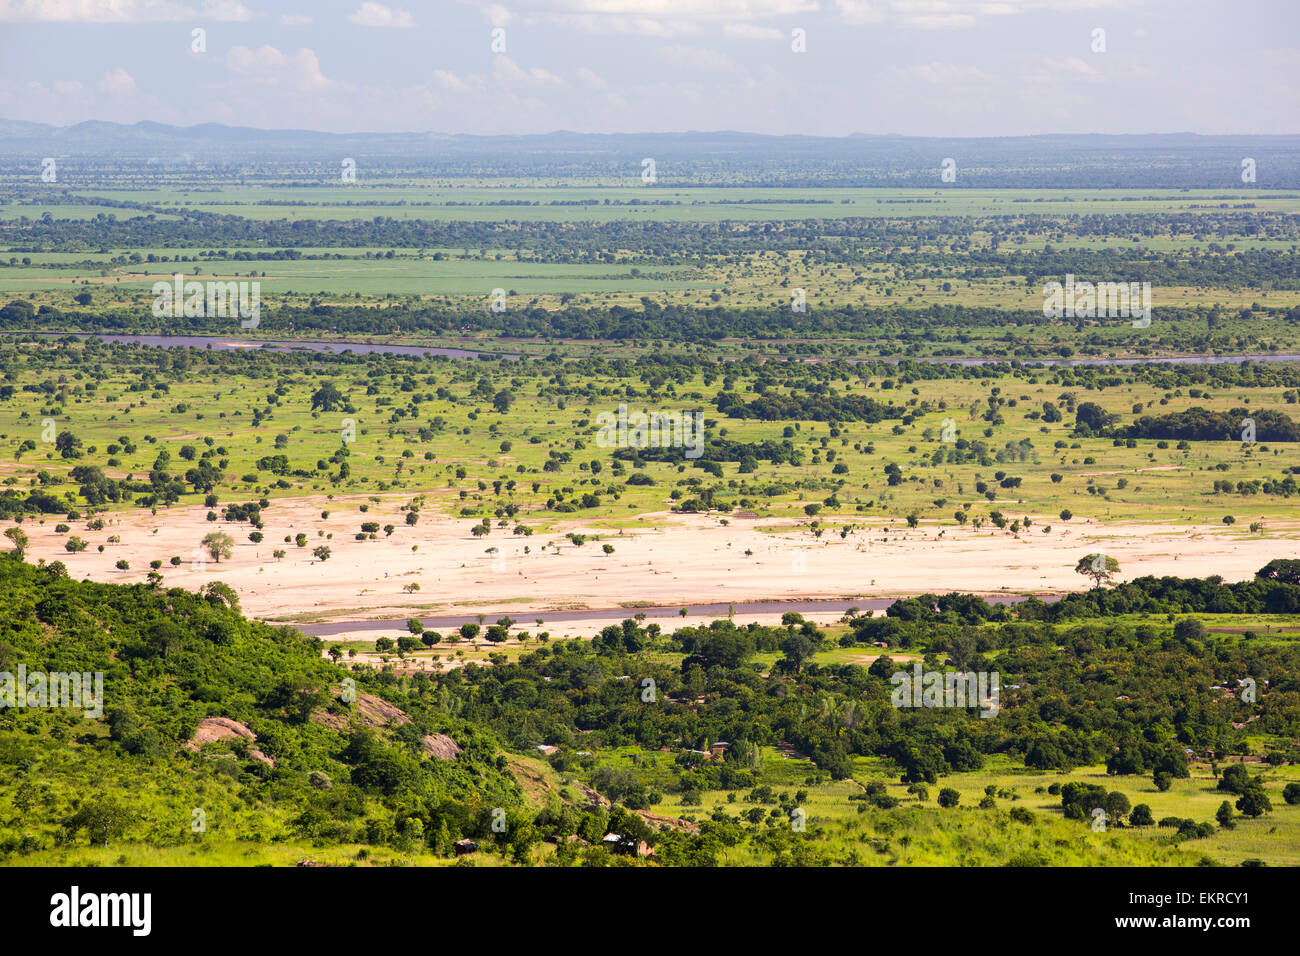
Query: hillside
<point x="286" y="760"/>
<point x="226" y="741"/>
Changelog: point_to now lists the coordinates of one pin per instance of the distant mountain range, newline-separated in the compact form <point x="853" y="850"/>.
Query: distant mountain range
<point x="95" y="136"/>
<point x="1167" y="159"/>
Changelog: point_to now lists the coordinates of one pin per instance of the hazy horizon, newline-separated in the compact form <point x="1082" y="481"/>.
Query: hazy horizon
<point x="720" y="131"/>
<point x="829" y="68"/>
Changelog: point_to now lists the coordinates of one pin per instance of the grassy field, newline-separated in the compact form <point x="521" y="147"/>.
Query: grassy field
<point x="405" y="276"/>
<point x="662" y="202"/>
<point x="970" y="836"/>
<point x="736" y="277"/>
<point x="475" y="447"/>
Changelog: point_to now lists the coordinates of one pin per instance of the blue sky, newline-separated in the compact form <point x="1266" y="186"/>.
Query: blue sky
<point x="916" y="67"/>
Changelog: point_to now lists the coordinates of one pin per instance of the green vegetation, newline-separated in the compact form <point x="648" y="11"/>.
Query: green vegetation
<point x="864" y="352"/>
<point x="93" y="426"/>
<point x="709" y="757"/>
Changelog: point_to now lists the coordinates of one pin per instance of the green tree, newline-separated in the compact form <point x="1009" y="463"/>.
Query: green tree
<point x="219" y="545"/>
<point x="327" y="398"/>
<point x="1254" y="802"/>
<point x="1235" y="779"/>
<point x="102" y="818"/>
<point x="1100" y="567"/>
<point x="798" y="648"/>
<point x="19" y="537"/>
<point x="1224" y="815"/>
<point x="67" y="445"/>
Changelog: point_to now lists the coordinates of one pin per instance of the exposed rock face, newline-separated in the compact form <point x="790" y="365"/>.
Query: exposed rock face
<point x="377" y="712"/>
<point x="214" y="729"/>
<point x="440" y="746"/>
<point x="373" y="711"/>
<point x="335" y="722"/>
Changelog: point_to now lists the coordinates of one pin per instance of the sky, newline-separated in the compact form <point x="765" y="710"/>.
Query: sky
<point x="814" y="67"/>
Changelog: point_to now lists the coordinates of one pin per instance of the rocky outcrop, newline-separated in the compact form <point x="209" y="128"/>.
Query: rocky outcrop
<point x="440" y="746"/>
<point x="215" y="729"/>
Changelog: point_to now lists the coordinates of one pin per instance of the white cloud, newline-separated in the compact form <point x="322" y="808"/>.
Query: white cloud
<point x="590" y="79"/>
<point x="699" y="58"/>
<point x="632" y="26"/>
<point x="944" y="14"/>
<point x="229" y="11"/>
<point x="683" y="9"/>
<point x="67" y="87"/>
<point x="294" y="19"/>
<point x="652" y="18"/>
<point x="748" y="31"/>
<point x="93" y="11"/>
<point x="948" y="75"/>
<point x="1073" y="64"/>
<point x="373" y="14"/>
<point x="117" y="82"/>
<point x="269" y="66"/>
<point x="450" y="81"/>
<point x="508" y="71"/>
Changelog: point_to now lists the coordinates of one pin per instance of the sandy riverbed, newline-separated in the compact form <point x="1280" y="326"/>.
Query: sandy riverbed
<point x="670" y="560"/>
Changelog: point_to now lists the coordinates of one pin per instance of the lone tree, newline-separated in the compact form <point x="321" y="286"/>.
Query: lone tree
<point x="327" y="398"/>
<point x="19" y="537"/>
<point x="219" y="545"/>
<point x="1100" y="567"/>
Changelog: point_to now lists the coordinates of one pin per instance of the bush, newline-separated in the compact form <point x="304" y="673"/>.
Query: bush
<point x="948" y="797"/>
<point x="1235" y="779"/>
<point x="1254" y="802"/>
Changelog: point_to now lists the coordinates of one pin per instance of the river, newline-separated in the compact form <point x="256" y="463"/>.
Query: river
<point x="668" y="616"/>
